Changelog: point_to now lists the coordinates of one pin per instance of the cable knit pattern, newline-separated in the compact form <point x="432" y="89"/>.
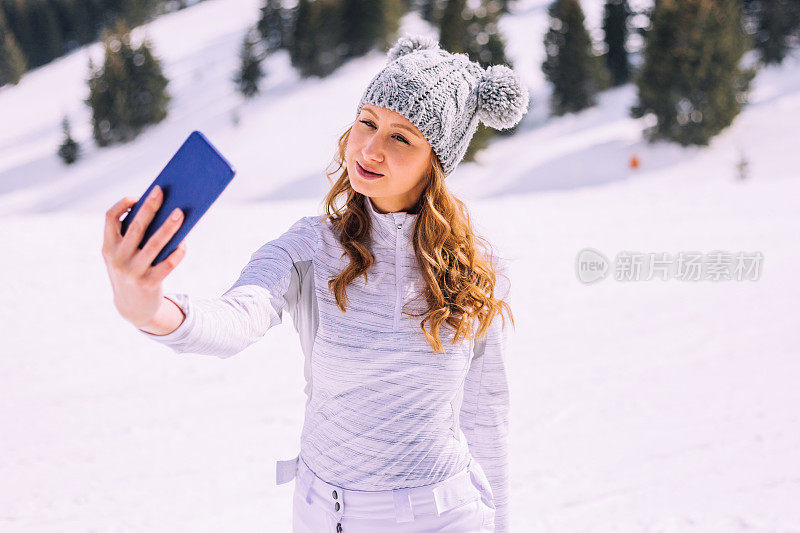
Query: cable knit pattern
<point x="382" y="410"/>
<point x="445" y="95"/>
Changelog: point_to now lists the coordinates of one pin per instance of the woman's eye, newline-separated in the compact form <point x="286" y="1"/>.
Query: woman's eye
<point x="371" y="125"/>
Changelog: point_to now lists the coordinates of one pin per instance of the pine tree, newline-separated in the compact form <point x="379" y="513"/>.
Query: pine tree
<point x="431" y="10"/>
<point x="272" y="25"/>
<point x="742" y="165"/>
<point x="128" y="92"/>
<point x="75" y="21"/>
<point x="250" y="72"/>
<point x="362" y="25"/>
<point x="577" y="75"/>
<point x="48" y="43"/>
<point x="505" y="5"/>
<point x="12" y="62"/>
<point x="138" y="12"/>
<point x="18" y="23"/>
<point x="69" y="149"/>
<point x="775" y="25"/>
<point x="691" y="79"/>
<point x="615" y="29"/>
<point x="369" y="24"/>
<point x="483" y="41"/>
<point x="301" y="49"/>
<point x="151" y="98"/>
<point x="46" y="29"/>
<point x="317" y="48"/>
<point x="393" y="12"/>
<point x="453" y="27"/>
<point x="108" y="96"/>
<point x="330" y="51"/>
<point x="289" y="20"/>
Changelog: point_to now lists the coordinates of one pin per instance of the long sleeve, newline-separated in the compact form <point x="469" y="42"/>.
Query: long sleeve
<point x="226" y="325"/>
<point x="484" y="412"/>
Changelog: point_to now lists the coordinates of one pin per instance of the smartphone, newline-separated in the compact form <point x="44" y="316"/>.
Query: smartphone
<point x="192" y="180"/>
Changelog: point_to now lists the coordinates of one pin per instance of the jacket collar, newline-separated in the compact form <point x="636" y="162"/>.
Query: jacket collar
<point x="385" y="225"/>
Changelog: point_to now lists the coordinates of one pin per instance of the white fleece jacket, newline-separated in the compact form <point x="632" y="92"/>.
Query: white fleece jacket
<point x="383" y="411"/>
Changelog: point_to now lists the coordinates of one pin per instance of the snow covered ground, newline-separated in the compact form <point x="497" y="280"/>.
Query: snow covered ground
<point x="637" y="406"/>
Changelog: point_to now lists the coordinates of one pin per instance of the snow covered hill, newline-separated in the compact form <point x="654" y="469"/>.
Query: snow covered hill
<point x="637" y="406"/>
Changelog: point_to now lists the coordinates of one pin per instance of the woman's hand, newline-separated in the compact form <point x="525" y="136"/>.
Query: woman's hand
<point x="136" y="283"/>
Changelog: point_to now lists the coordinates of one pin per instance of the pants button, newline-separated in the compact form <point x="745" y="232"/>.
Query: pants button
<point x="339" y="527"/>
<point x="336" y="506"/>
<point x="335" y="495"/>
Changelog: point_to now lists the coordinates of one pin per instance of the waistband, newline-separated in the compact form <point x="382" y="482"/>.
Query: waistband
<point x="402" y="504"/>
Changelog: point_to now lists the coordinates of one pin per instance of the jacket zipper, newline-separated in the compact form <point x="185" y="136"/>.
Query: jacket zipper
<point x="398" y="291"/>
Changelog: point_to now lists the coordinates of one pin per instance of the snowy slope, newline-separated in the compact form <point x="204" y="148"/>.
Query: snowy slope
<point x="636" y="406"/>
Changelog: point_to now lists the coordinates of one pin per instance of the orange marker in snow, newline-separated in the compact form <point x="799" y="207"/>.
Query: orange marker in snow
<point x="634" y="162"/>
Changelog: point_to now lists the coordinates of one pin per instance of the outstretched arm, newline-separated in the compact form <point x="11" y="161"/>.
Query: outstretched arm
<point x="226" y="325"/>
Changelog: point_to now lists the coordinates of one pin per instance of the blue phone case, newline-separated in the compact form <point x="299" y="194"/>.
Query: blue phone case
<point x="194" y="177"/>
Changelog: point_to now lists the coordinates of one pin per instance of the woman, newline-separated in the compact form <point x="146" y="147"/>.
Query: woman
<point x="407" y="400"/>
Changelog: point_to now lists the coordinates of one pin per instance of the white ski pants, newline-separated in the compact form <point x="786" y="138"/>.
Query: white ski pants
<point x="463" y="503"/>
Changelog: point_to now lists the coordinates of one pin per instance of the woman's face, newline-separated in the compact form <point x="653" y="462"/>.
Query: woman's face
<point x="388" y="143"/>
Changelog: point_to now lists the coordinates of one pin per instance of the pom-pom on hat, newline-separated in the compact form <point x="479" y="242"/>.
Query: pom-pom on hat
<point x="445" y="95"/>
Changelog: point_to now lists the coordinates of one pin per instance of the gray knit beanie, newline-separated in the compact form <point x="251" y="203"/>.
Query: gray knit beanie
<point x="444" y="95"/>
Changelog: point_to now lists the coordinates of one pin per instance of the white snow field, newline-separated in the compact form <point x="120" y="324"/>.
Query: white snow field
<point x="637" y="406"/>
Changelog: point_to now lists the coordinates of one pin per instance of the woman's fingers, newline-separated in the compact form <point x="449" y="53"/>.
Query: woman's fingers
<point x="139" y="224"/>
<point x="157" y="273"/>
<point x="137" y="294"/>
<point x="112" y="234"/>
<point x="143" y="259"/>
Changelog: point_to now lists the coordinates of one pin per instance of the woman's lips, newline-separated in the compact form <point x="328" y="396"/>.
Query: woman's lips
<point x="366" y="174"/>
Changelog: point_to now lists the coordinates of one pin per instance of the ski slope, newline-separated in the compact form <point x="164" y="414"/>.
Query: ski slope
<point x="638" y="406"/>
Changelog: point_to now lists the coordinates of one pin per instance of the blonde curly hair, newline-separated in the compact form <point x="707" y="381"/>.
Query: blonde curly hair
<point x="460" y="280"/>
